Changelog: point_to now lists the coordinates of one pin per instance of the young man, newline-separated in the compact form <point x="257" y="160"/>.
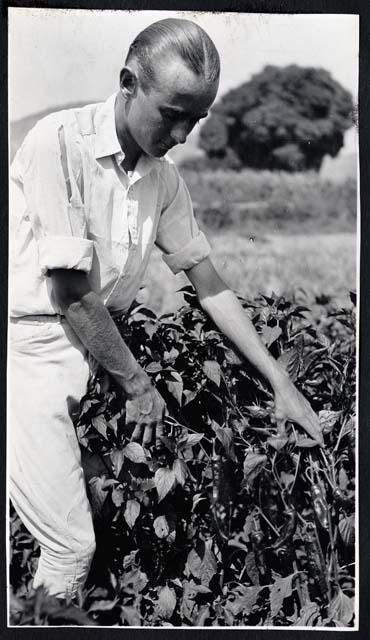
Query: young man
<point x="91" y="192"/>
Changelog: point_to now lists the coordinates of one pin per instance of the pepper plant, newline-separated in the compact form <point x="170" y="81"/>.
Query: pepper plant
<point x="226" y="523"/>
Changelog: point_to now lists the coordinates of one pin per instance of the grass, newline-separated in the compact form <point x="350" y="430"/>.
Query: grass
<point x="270" y="231"/>
<point x="318" y="264"/>
<point x="266" y="201"/>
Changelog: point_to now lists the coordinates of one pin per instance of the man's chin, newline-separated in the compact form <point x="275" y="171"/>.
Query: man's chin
<point x="162" y="150"/>
<point x="158" y="151"/>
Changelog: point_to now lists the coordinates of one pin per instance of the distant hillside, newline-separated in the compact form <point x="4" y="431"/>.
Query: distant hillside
<point x="336" y="169"/>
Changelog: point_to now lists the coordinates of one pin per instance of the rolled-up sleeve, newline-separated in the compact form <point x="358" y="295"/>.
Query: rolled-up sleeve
<point x="178" y="235"/>
<point x="54" y="200"/>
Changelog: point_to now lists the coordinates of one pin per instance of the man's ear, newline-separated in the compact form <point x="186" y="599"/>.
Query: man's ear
<point x="128" y="81"/>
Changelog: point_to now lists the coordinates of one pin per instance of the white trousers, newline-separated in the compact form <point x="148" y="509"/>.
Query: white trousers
<point x="48" y="372"/>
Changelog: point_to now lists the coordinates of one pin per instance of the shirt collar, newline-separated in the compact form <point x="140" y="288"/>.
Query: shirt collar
<point x="107" y="143"/>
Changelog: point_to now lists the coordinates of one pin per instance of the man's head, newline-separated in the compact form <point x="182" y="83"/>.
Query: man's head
<point x="169" y="81"/>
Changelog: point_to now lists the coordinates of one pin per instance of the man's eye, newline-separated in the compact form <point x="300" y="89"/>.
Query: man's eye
<point x="170" y="116"/>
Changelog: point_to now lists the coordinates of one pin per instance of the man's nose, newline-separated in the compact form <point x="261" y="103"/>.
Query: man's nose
<point x="179" y="135"/>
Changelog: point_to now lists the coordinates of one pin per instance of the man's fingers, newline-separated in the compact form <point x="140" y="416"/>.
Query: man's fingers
<point x="280" y="426"/>
<point x="148" y="434"/>
<point x="138" y="432"/>
<point x="279" y="420"/>
<point x="312" y="426"/>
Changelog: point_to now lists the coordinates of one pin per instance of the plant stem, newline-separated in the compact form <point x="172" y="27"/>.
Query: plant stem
<point x="296" y="473"/>
<point x="267" y="520"/>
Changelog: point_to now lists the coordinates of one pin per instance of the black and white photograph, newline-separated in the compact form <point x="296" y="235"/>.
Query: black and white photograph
<point x="182" y="356"/>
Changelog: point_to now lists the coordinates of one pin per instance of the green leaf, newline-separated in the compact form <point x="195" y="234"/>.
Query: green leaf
<point x="190" y="395"/>
<point x="117" y="458"/>
<point x="287" y="480"/>
<point x="306" y="443"/>
<point x="347" y="529"/>
<point x="244" y="598"/>
<point x="256" y="411"/>
<point x="343" y="479"/>
<point x="180" y="469"/>
<point x="171" y="355"/>
<point x="328" y="420"/>
<point x="135" y="452"/>
<point x="277" y="442"/>
<point x="291" y="360"/>
<point x="204" y="567"/>
<point x="132" y="512"/>
<point x="188" y="605"/>
<point x="167" y="601"/>
<point x="150" y="328"/>
<point x="212" y="370"/>
<point x="280" y="590"/>
<point x="197" y="498"/>
<point x="133" y="580"/>
<point x="144" y="311"/>
<point x="226" y="437"/>
<point x="202" y="616"/>
<point x="153" y="367"/>
<point x="194" y="438"/>
<point x="165" y="480"/>
<point x="130" y="615"/>
<point x="309" y="615"/>
<point x="161" y="527"/>
<point x="175" y="387"/>
<point x="117" y="496"/>
<point x="341" y="608"/>
<point x="232" y="358"/>
<point x="100" y="425"/>
<point x="189" y="441"/>
<point x="97" y="493"/>
<point x="253" y="465"/>
<point x="270" y="334"/>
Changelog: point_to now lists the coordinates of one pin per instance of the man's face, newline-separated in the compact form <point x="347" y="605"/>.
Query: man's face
<point x="164" y="116"/>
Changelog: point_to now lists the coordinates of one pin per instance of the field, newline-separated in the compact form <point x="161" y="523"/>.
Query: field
<point x="287" y="233"/>
<point x="318" y="264"/>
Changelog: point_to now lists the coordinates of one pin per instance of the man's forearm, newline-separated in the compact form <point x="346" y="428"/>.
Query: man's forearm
<point x="94" y="326"/>
<point x="229" y="316"/>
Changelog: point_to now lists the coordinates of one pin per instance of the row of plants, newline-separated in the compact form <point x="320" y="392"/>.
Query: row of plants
<point x="227" y="523"/>
<point x="288" y="202"/>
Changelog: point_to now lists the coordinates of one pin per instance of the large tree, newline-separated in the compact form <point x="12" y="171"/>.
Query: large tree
<point x="285" y="118"/>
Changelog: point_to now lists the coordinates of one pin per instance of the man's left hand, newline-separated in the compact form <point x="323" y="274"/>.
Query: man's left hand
<point x="290" y="405"/>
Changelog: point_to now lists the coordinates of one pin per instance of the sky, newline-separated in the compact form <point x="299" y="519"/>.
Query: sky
<point x="59" y="56"/>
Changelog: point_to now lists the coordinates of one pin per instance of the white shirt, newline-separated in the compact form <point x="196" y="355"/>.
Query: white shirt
<point x="73" y="207"/>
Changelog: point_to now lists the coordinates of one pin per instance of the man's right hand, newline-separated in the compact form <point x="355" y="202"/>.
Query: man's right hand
<point x="145" y="408"/>
<point x="94" y="326"/>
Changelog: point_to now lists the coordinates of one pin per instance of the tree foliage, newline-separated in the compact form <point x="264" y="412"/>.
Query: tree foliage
<point x="285" y="118"/>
